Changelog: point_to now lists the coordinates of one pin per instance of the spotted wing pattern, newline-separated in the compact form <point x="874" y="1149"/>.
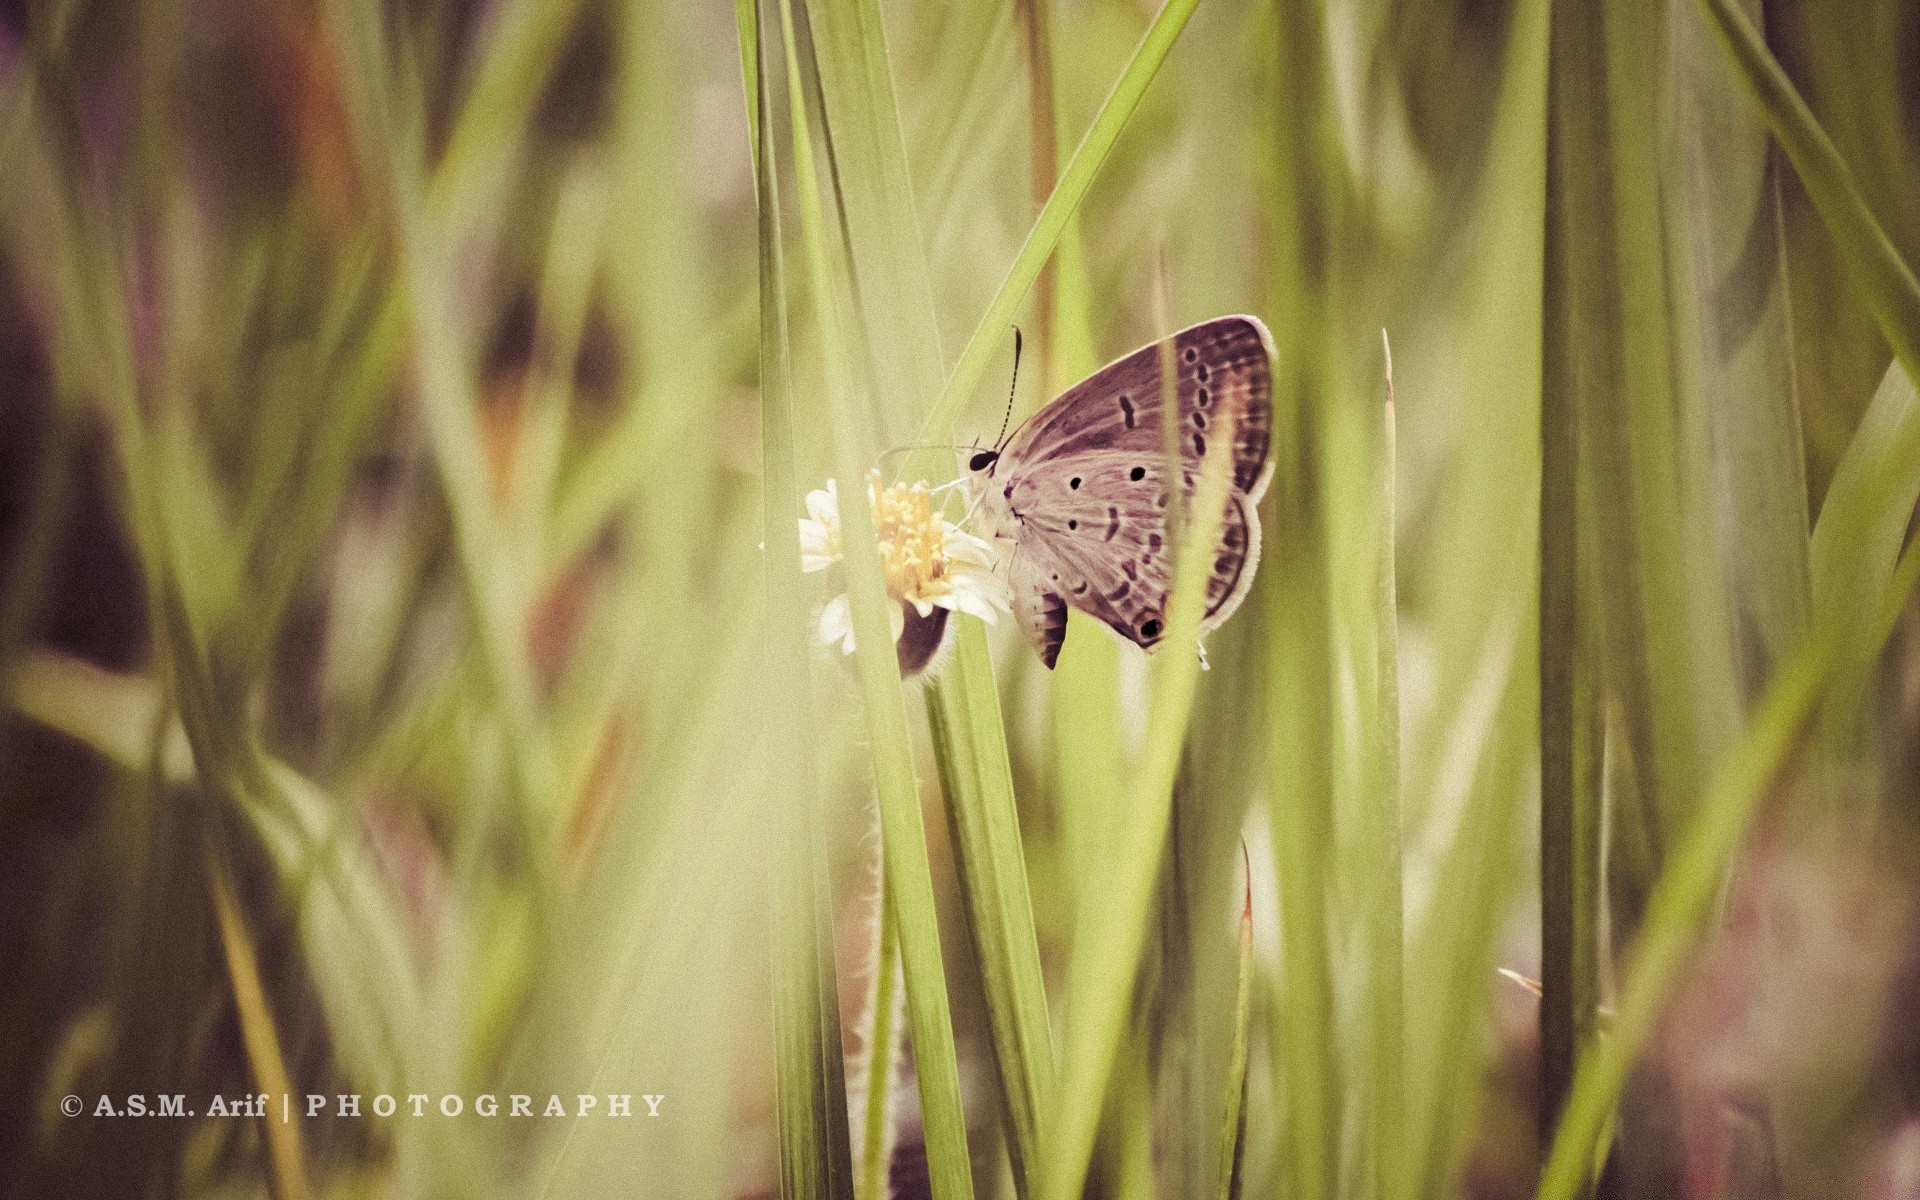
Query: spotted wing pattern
<point x="1082" y="488"/>
<point x="1221" y="366"/>
<point x="1093" y="532"/>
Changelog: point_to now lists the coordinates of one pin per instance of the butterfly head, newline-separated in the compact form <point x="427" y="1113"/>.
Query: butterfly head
<point x="984" y="460"/>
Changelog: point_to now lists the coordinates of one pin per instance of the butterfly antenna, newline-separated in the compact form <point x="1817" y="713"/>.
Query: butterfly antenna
<point x="886" y="454"/>
<point x="997" y="439"/>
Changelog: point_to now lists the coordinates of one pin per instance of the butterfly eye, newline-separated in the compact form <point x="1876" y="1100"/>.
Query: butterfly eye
<point x="983" y="460"/>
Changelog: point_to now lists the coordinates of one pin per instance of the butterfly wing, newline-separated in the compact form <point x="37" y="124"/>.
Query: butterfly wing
<point x="1093" y="533"/>
<point x="1223" y="366"/>
<point x="1082" y="486"/>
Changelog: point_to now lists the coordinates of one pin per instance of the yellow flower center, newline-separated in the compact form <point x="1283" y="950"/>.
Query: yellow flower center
<point x="912" y="540"/>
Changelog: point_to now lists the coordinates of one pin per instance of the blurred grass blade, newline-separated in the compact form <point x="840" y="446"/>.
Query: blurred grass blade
<point x="288" y="1176"/>
<point x="1685" y="894"/>
<point x="1644" y="576"/>
<point x="963" y="711"/>
<point x="903" y="836"/>
<point x="887" y="266"/>
<point x="1730" y="182"/>
<point x="1469" y="793"/>
<point x="1306" y="224"/>
<point x="1078" y="176"/>
<point x="1570" y="813"/>
<point x="1110" y="941"/>
<point x="810" y="1080"/>
<point x="1386" y="932"/>
<point x="494" y="592"/>
<point x="1884" y="280"/>
<point x="882" y="1060"/>
<point x="893" y="306"/>
<point x="1233" y="1130"/>
<point x="1860" y="526"/>
<point x="1863" y="525"/>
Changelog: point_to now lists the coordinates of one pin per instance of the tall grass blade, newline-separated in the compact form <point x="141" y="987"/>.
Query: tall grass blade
<point x="963" y="712"/>
<point x="811" y="1093"/>
<point x="1386" y="913"/>
<point x="1683" y="897"/>
<point x="1731" y="187"/>
<point x="881" y="1060"/>
<point x="1113" y="937"/>
<point x="1570" y="812"/>
<point x="887" y="264"/>
<point x="1885" y="282"/>
<point x="1075" y="179"/>
<point x="282" y="1135"/>
<point x="892" y="303"/>
<point x="1306" y="224"/>
<point x="904" y="844"/>
<point x="1233" y="1129"/>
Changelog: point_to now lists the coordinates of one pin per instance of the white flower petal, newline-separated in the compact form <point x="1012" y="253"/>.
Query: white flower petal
<point x="896" y="617"/>
<point x="836" y="623"/>
<point x="818" y="550"/>
<point x="963" y="547"/>
<point x="972" y="603"/>
<point x="823" y="505"/>
<point x="979" y="592"/>
<point x="987" y="584"/>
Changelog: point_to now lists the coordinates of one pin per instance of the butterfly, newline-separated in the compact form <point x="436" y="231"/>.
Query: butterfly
<point x="1081" y="487"/>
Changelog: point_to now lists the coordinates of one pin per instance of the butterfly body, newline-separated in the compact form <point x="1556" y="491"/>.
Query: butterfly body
<point x="1083" y="487"/>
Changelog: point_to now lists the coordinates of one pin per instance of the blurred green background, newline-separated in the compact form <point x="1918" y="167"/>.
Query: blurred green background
<point x="404" y="411"/>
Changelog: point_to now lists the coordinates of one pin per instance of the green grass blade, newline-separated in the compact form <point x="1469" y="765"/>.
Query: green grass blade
<point x="1233" y="1129"/>
<point x="1681" y="901"/>
<point x="963" y="710"/>
<point x="1862" y="527"/>
<point x="893" y="305"/>
<point x="288" y="1177"/>
<point x="1475" y="752"/>
<point x="903" y="836"/>
<point x="888" y="262"/>
<point x="881" y="1057"/>
<point x="1885" y="282"/>
<point x="1570" y="813"/>
<point x="1731" y="183"/>
<point x="1084" y="693"/>
<point x="1385" y="901"/>
<point x="1305" y="212"/>
<point x="810" y="1080"/>
<point x="1078" y="176"/>
<point x="1112" y="939"/>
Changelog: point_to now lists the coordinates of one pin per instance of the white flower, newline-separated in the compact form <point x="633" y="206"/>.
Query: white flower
<point x="929" y="562"/>
<point x="820" y="530"/>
